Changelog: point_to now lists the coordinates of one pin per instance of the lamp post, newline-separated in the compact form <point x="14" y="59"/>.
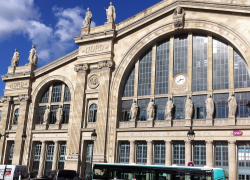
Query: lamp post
<point x="4" y="135"/>
<point x="248" y="107"/>
<point x="93" y="138"/>
<point x="191" y="136"/>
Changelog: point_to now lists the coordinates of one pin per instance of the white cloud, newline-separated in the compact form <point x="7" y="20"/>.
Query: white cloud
<point x="22" y="17"/>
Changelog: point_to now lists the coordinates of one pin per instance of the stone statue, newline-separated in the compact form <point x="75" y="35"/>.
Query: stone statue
<point x="134" y="110"/>
<point x="232" y="105"/>
<point x="151" y="110"/>
<point x="46" y="115"/>
<point x="209" y="106"/>
<point x="33" y="56"/>
<point x="169" y="108"/>
<point x="111" y="15"/>
<point x="59" y="115"/>
<point x="15" y="59"/>
<point x="178" y="18"/>
<point x="188" y="108"/>
<point x="88" y="19"/>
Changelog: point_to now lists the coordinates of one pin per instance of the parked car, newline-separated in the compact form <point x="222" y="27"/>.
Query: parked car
<point x="10" y="172"/>
<point x="62" y="174"/>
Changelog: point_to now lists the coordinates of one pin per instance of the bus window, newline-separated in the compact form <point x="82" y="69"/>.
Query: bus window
<point x="100" y="173"/>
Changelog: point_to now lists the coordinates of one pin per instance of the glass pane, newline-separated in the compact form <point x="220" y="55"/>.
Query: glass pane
<point x="242" y="99"/>
<point x="16" y="115"/>
<point x="124" y="152"/>
<point x="159" y="153"/>
<point x="66" y="110"/>
<point x="221" y="105"/>
<point x="179" y="153"/>
<point x="56" y="93"/>
<point x="45" y="97"/>
<point x="41" y="114"/>
<point x="126" y="106"/>
<point x="179" y="107"/>
<point x="160" y="104"/>
<point x="143" y="104"/>
<point x="53" y="114"/>
<point x="129" y="85"/>
<point x="199" y="106"/>
<point x="67" y="96"/>
<point x="92" y="113"/>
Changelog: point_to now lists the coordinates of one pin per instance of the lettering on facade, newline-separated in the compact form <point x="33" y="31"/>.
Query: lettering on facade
<point x="19" y="84"/>
<point x="94" y="48"/>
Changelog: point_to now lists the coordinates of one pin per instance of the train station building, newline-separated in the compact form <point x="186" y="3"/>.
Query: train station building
<point x="141" y="84"/>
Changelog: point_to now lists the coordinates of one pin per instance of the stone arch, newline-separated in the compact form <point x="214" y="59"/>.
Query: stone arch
<point x="44" y="84"/>
<point x="123" y="65"/>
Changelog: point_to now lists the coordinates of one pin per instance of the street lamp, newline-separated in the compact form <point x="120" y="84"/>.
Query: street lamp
<point x="248" y="107"/>
<point x="24" y="136"/>
<point x="4" y="135"/>
<point x="93" y="137"/>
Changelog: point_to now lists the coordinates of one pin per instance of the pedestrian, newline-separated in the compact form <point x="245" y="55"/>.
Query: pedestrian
<point x="29" y="176"/>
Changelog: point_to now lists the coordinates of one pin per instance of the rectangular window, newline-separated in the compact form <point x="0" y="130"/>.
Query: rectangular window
<point x="143" y="104"/>
<point x="179" y="153"/>
<point x="124" y="152"/>
<point x="244" y="159"/>
<point x="160" y="104"/>
<point x="53" y="114"/>
<point x="129" y="85"/>
<point x="180" y="54"/>
<point x="242" y="99"/>
<point x="221" y="105"/>
<point x="56" y="93"/>
<point x="179" y="110"/>
<point x="126" y="106"/>
<point x="199" y="153"/>
<point x="49" y="158"/>
<point x="62" y="156"/>
<point x="141" y="152"/>
<point x="220" y="65"/>
<point x="145" y="65"/>
<point x="45" y="97"/>
<point x="66" y="110"/>
<point x="11" y="153"/>
<point x="159" y="153"/>
<point x="37" y="154"/>
<point x="199" y="106"/>
<point x="67" y="96"/>
<point x="162" y="67"/>
<point x="89" y="152"/>
<point x="40" y="114"/>
<point x="200" y="59"/>
<point x="221" y="155"/>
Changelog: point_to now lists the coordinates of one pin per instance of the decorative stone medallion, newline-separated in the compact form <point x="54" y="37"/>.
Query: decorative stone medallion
<point x="180" y="83"/>
<point x="93" y="81"/>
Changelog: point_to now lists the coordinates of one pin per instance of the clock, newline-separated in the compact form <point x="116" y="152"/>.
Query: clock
<point x="180" y="79"/>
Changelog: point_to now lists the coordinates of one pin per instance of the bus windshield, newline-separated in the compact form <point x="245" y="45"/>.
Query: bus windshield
<point x="140" y="172"/>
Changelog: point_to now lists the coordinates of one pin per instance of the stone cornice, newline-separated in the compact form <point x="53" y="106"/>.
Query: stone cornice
<point x="81" y="67"/>
<point x="56" y="63"/>
<point x="5" y="99"/>
<point x="23" y="97"/>
<point x="105" y="64"/>
<point x="10" y="76"/>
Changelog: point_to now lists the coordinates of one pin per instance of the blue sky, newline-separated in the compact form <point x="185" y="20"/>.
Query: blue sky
<point x="51" y="26"/>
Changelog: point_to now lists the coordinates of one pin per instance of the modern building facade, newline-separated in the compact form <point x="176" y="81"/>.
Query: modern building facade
<point x="171" y="51"/>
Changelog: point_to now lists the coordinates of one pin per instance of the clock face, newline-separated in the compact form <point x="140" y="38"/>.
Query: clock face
<point x="180" y="79"/>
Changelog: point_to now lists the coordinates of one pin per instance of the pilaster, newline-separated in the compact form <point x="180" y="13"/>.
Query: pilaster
<point x="42" y="160"/>
<point x="209" y="153"/>
<point x="149" y="152"/>
<point x="132" y="152"/>
<point x="136" y="78"/>
<point x="232" y="160"/>
<point x="188" y="151"/>
<point x="153" y="69"/>
<point x="231" y="67"/>
<point x="55" y="156"/>
<point x="210" y="64"/>
<point x="168" y="154"/>
<point x="171" y="65"/>
<point x="190" y="61"/>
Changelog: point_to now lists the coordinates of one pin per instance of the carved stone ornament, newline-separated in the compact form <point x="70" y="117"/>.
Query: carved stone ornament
<point x="93" y="81"/>
<point x="189" y="108"/>
<point x="134" y="110"/>
<point x="5" y="98"/>
<point x="151" y="110"/>
<point x="15" y="59"/>
<point x="81" y="67"/>
<point x="87" y="20"/>
<point x="59" y="115"/>
<point x="232" y="105"/>
<point x="178" y="18"/>
<point x="180" y="83"/>
<point x="103" y="64"/>
<point x="24" y="97"/>
<point x="169" y="109"/>
<point x="33" y="58"/>
<point x="111" y="15"/>
<point x="209" y="107"/>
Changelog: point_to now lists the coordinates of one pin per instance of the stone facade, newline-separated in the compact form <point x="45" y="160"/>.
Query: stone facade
<point x="96" y="73"/>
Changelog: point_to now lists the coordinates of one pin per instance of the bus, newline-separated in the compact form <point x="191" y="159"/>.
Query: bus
<point x="109" y="171"/>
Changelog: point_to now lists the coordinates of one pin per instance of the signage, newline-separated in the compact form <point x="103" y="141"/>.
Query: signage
<point x="238" y="133"/>
<point x="191" y="164"/>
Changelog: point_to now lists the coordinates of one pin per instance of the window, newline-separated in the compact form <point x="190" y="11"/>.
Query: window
<point x="124" y="152"/>
<point x="179" y="110"/>
<point x="129" y="85"/>
<point x="199" y="153"/>
<point x="179" y="153"/>
<point x="89" y="152"/>
<point x="11" y="153"/>
<point x="53" y="114"/>
<point x="180" y="54"/>
<point x="16" y="114"/>
<point x="242" y="99"/>
<point x="56" y="93"/>
<point x="220" y="65"/>
<point x="66" y="109"/>
<point x="62" y="156"/>
<point x="221" y="154"/>
<point x="200" y="59"/>
<point x="159" y="153"/>
<point x="243" y="159"/>
<point x="37" y="154"/>
<point x="221" y="105"/>
<point x="145" y="65"/>
<point x="0" y="115"/>
<point x="143" y="104"/>
<point x="126" y="106"/>
<point x="67" y="95"/>
<point x="241" y="72"/>
<point x="160" y="104"/>
<point x="199" y="106"/>
<point x="41" y="113"/>
<point x="45" y="97"/>
<point x="49" y="159"/>
<point x="162" y="67"/>
<point x="141" y="157"/>
<point x="92" y="113"/>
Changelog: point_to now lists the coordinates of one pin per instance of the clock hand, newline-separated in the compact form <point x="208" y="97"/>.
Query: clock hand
<point x="180" y="80"/>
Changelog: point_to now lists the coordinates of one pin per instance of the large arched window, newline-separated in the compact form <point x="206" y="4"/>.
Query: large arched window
<point x="92" y="113"/>
<point x="55" y="95"/>
<point x="16" y="115"/>
<point x="207" y="67"/>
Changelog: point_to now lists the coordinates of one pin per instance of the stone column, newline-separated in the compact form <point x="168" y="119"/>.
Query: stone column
<point x="55" y="156"/>
<point x="132" y="152"/>
<point x="99" y="154"/>
<point x="149" y="152"/>
<point x="3" y="125"/>
<point x="232" y="160"/>
<point x="209" y="154"/>
<point x="73" y="141"/>
<point x="171" y="65"/>
<point x="168" y="151"/>
<point x="188" y="151"/>
<point x="42" y="160"/>
<point x="22" y="119"/>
